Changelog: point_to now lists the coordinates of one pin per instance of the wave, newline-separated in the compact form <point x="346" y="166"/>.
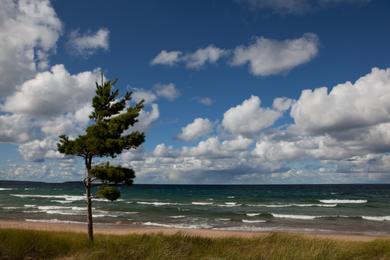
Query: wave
<point x="1" y="189"/>
<point x="156" y="203"/>
<point x="230" y="197"/>
<point x="190" y="226"/>
<point x="62" y="201"/>
<point x="247" y="228"/>
<point x="54" y="221"/>
<point x="65" y="197"/>
<point x="11" y="208"/>
<point x="292" y="205"/>
<point x="253" y="221"/>
<point x="223" y="219"/>
<point x="229" y="204"/>
<point x="30" y="206"/>
<point x="305" y="217"/>
<point x="180" y="216"/>
<point x="252" y="214"/>
<point x="377" y="218"/>
<point x="201" y="203"/>
<point x="346" y="201"/>
<point x="62" y="207"/>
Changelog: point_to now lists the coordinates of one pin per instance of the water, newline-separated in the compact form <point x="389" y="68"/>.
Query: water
<point x="319" y="208"/>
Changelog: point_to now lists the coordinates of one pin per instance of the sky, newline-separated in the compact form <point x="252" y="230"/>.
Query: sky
<point x="236" y="91"/>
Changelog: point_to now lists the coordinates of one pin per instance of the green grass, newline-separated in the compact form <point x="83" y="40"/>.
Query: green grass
<point x="28" y="244"/>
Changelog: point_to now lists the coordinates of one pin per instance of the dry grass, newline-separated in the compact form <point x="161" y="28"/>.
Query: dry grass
<point x="28" y="244"/>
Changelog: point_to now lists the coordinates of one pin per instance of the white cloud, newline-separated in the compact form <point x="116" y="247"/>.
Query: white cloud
<point x="213" y="147"/>
<point x="141" y="94"/>
<point x="205" y="101"/>
<point x="200" y="57"/>
<point x="88" y="43"/>
<point x="38" y="150"/>
<point x="199" y="127"/>
<point x="298" y="6"/>
<point x="194" y="60"/>
<point x="167" y="91"/>
<point x="346" y="106"/>
<point x="282" y="103"/>
<point x="147" y="117"/>
<point x="249" y="118"/>
<point x="270" y="57"/>
<point x="15" y="128"/>
<point x="163" y="150"/>
<point x="167" y="58"/>
<point x="264" y="56"/>
<point x="52" y="93"/>
<point x="29" y="31"/>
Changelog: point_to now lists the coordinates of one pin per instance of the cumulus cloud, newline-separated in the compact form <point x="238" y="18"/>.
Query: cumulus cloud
<point x="38" y="150"/>
<point x="15" y="128"/>
<point x="348" y="105"/>
<point x="141" y="94"/>
<point x="264" y="56"/>
<point x="199" y="127"/>
<point x="282" y="103"/>
<point x="88" y="43"/>
<point x="167" y="58"/>
<point x="194" y="60"/>
<point x="147" y="117"/>
<point x="269" y="57"/>
<point x="200" y="57"/>
<point x="163" y="150"/>
<point x="167" y="91"/>
<point x="29" y="31"/>
<point x="52" y="92"/>
<point x="249" y="117"/>
<point x="297" y="6"/>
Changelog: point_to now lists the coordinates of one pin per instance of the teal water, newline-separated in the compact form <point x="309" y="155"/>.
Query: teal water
<point x="319" y="208"/>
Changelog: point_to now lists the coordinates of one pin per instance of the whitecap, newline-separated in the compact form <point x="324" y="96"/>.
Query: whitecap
<point x="62" y="201"/>
<point x="253" y="221"/>
<point x="189" y="226"/>
<point x="201" y="203"/>
<point x="252" y="214"/>
<point x="54" y="221"/>
<point x="157" y="203"/>
<point x="10" y="208"/>
<point x="65" y="197"/>
<point x="179" y="216"/>
<point x="229" y="204"/>
<point x="377" y="218"/>
<point x="346" y="201"/>
<point x="223" y="219"/>
<point x="305" y="217"/>
<point x="292" y="205"/>
<point x="1" y="189"/>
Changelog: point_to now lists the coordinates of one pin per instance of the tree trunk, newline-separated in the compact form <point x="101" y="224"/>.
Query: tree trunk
<point x="89" y="209"/>
<point x="88" y="186"/>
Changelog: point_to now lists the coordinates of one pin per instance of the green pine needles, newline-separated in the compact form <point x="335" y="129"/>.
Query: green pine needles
<point x="107" y="136"/>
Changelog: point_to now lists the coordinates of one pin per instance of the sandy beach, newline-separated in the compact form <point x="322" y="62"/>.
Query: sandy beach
<point x="121" y="229"/>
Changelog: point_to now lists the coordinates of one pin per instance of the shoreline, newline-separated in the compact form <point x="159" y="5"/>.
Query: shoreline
<point x="123" y="229"/>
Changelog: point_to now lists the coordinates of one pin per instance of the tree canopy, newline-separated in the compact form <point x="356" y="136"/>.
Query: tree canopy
<point x="107" y="136"/>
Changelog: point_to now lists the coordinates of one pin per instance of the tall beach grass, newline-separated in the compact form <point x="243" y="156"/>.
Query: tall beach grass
<point x="29" y="244"/>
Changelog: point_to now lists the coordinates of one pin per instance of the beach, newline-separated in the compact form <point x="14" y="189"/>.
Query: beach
<point x="121" y="229"/>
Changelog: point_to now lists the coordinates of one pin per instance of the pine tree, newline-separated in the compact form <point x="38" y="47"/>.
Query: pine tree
<point x="107" y="136"/>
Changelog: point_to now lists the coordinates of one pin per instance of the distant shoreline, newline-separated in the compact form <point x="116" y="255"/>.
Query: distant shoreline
<point x="201" y="184"/>
<point x="122" y="229"/>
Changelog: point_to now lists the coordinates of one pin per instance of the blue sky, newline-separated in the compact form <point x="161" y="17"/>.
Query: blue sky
<point x="211" y="115"/>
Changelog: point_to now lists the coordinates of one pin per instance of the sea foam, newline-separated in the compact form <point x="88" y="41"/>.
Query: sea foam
<point x="346" y="201"/>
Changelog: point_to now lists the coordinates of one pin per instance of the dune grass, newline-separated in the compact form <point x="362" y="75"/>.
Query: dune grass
<point x="28" y="244"/>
